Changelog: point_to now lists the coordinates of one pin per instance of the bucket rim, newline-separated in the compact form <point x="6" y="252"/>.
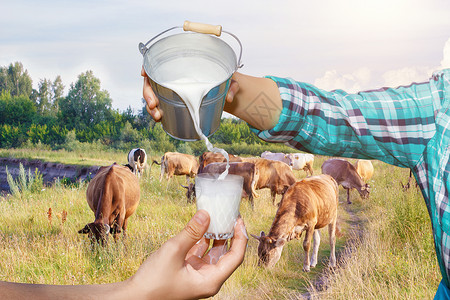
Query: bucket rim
<point x="143" y="47"/>
<point x="234" y="67"/>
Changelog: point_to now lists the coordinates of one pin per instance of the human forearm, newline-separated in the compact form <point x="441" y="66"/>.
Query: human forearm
<point x="11" y="291"/>
<point x="257" y="101"/>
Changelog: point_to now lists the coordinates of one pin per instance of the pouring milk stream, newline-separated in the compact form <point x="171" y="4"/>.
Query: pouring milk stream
<point x="192" y="78"/>
<point x="197" y="66"/>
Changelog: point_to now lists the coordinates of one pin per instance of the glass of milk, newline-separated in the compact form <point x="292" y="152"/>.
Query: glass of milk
<point x="221" y="198"/>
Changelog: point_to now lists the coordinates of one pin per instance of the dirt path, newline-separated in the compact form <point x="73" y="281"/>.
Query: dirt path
<point x="355" y="234"/>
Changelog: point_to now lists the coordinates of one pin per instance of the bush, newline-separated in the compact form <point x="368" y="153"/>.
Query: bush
<point x="162" y="146"/>
<point x="38" y="133"/>
<point x="129" y="134"/>
<point x="185" y="148"/>
<point x="36" y="146"/>
<point x="71" y="144"/>
<point x="25" y="183"/>
<point x="10" y="136"/>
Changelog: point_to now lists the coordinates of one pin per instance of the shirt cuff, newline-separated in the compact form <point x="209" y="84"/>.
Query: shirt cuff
<point x="292" y="114"/>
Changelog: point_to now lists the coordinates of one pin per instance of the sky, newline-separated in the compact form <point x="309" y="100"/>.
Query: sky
<point x="347" y="44"/>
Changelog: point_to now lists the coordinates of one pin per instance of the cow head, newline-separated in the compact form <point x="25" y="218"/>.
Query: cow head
<point x="97" y="232"/>
<point x="365" y="191"/>
<point x="269" y="249"/>
<point x="289" y="159"/>
<point x="190" y="192"/>
<point x="129" y="167"/>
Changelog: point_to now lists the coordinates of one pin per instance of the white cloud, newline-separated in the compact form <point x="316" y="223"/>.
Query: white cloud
<point x="445" y="63"/>
<point x="363" y="78"/>
<point x="352" y="82"/>
<point x="407" y="75"/>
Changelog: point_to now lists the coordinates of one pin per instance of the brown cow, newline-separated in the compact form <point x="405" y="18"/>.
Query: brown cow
<point x="174" y="163"/>
<point x="190" y="192"/>
<point x="307" y="205"/>
<point x="364" y="168"/>
<point x="113" y="195"/>
<point x="346" y="175"/>
<point x="244" y="169"/>
<point x="275" y="175"/>
<point x="209" y="157"/>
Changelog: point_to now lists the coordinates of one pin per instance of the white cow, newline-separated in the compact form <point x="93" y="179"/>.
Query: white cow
<point x="303" y="161"/>
<point x="137" y="159"/>
<point x="286" y="158"/>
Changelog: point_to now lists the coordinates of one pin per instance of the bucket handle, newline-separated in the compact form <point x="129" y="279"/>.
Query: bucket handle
<point x="202" y="28"/>
<point x="199" y="28"/>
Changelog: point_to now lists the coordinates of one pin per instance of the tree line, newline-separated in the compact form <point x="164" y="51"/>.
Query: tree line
<point x="85" y="118"/>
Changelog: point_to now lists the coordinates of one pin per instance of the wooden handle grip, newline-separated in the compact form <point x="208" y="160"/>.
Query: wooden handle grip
<point x="202" y="28"/>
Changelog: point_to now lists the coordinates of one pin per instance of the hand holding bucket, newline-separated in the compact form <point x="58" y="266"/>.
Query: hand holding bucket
<point x="200" y="44"/>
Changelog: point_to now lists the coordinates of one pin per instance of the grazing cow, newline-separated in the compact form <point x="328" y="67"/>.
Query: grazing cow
<point x="303" y="161"/>
<point x="286" y="158"/>
<point x="174" y="163"/>
<point x="209" y="157"/>
<point x="273" y="174"/>
<point x="190" y="192"/>
<point x="408" y="184"/>
<point x="137" y="159"/>
<point x="346" y="175"/>
<point x="364" y="168"/>
<point x="113" y="195"/>
<point x="307" y="205"/>
<point x="245" y="169"/>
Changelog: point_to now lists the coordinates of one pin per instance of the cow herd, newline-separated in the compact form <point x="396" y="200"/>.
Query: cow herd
<point x="306" y="205"/>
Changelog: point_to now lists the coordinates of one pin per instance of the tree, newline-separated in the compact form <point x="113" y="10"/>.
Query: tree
<point x="48" y="95"/>
<point x="15" y="80"/>
<point x="143" y="119"/>
<point x="58" y="92"/>
<point x="86" y="104"/>
<point x="228" y="132"/>
<point x="16" y="110"/>
<point x="44" y="97"/>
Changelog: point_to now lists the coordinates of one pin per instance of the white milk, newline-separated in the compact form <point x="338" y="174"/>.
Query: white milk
<point x="223" y="207"/>
<point x="192" y="78"/>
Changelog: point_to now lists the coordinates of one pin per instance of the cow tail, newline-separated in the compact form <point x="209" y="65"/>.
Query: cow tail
<point x="254" y="182"/>
<point x="163" y="166"/>
<point x="155" y="162"/>
<point x="253" y="185"/>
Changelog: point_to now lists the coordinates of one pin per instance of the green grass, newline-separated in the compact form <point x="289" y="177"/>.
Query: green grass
<point x="393" y="259"/>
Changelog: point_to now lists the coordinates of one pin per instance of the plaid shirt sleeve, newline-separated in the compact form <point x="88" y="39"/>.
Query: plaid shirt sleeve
<point x="391" y="125"/>
<point x="406" y="126"/>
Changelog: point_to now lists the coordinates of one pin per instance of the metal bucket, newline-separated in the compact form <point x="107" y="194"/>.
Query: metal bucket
<point x="176" y="120"/>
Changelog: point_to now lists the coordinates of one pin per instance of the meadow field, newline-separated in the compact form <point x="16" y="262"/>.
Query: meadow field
<point x="385" y="251"/>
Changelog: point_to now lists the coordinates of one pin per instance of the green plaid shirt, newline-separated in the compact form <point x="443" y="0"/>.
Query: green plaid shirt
<point x="406" y="126"/>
